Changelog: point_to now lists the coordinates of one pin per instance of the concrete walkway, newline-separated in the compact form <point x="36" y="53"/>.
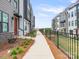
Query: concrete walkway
<point x="40" y="49"/>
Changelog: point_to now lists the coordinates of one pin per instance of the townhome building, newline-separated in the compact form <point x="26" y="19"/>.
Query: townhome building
<point x="63" y="22"/>
<point x="16" y="17"/>
<point x="73" y="17"/>
<point x="56" y="23"/>
<point x="68" y="19"/>
<point x="32" y="17"/>
<point x="25" y="10"/>
<point x="9" y="18"/>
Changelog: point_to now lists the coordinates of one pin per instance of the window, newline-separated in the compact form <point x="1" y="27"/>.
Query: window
<point x="72" y="23"/>
<point x="15" y="3"/>
<point x="71" y="31"/>
<point x="0" y="16"/>
<point x="72" y="14"/>
<point x="5" y="22"/>
<point x="5" y="17"/>
<point x="75" y="22"/>
<point x="68" y="15"/>
<point x="0" y="23"/>
<point x="69" y="23"/>
<point x="5" y="27"/>
<point x="75" y="13"/>
<point x="78" y="8"/>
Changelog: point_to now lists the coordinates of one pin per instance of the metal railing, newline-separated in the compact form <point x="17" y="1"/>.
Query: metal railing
<point x="67" y="42"/>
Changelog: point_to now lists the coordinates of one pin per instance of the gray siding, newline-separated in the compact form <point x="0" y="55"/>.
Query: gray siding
<point x="6" y="7"/>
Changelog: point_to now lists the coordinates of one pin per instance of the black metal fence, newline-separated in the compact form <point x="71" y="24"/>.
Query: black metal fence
<point x="67" y="42"/>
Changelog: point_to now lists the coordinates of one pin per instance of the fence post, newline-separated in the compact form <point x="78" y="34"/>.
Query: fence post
<point x="50" y="34"/>
<point x="57" y="39"/>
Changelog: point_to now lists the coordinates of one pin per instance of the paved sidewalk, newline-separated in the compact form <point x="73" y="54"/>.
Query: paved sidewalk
<point x="40" y="49"/>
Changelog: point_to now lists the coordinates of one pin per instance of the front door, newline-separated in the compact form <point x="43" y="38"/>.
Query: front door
<point x="15" y="25"/>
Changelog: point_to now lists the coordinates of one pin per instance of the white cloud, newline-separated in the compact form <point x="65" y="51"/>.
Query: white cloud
<point x="73" y="1"/>
<point x="54" y="10"/>
<point x="44" y="14"/>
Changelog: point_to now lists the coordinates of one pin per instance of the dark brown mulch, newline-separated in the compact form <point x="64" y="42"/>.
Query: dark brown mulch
<point x="58" y="54"/>
<point x="4" y="53"/>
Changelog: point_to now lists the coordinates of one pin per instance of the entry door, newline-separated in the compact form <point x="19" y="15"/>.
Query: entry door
<point x="15" y="25"/>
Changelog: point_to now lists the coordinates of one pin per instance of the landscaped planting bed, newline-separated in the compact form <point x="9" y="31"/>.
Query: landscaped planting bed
<point x="18" y="51"/>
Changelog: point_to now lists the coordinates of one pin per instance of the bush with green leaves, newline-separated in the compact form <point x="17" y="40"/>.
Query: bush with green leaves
<point x="26" y="43"/>
<point x="17" y="50"/>
<point x="14" y="56"/>
<point x="32" y="33"/>
<point x="13" y="52"/>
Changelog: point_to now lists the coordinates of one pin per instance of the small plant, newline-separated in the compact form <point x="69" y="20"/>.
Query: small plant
<point x="33" y="33"/>
<point x="13" y="52"/>
<point x="19" y="50"/>
<point x="14" y="56"/>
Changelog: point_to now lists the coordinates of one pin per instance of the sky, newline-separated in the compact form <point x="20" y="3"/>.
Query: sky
<point x="46" y="10"/>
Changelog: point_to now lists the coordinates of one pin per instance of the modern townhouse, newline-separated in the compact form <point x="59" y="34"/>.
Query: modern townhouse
<point x="32" y="17"/>
<point x="56" y="23"/>
<point x="63" y="22"/>
<point x="68" y="19"/>
<point x="25" y="10"/>
<point x="9" y="18"/>
<point x="73" y="17"/>
<point x="15" y="18"/>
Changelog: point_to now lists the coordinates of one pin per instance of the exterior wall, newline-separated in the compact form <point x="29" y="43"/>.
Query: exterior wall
<point x="63" y="22"/>
<point x="56" y="23"/>
<point x="7" y="7"/>
<point x="27" y="17"/>
<point x="27" y="27"/>
<point x="70" y="19"/>
<point x="21" y="22"/>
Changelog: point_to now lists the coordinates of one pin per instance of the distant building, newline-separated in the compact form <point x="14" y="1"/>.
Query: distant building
<point x="56" y="23"/>
<point x="68" y="19"/>
<point x="26" y="12"/>
<point x="63" y="22"/>
<point x="73" y="15"/>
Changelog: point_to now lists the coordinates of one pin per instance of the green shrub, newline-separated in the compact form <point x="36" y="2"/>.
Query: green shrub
<point x="19" y="50"/>
<point x="14" y="56"/>
<point x="16" y="51"/>
<point x="33" y="33"/>
<point x="13" y="52"/>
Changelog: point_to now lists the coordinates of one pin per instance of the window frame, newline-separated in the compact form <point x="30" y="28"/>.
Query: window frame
<point x="5" y="22"/>
<point x="1" y="23"/>
<point x="15" y="4"/>
<point x="72" y="14"/>
<point x="69" y="23"/>
<point x="72" y="23"/>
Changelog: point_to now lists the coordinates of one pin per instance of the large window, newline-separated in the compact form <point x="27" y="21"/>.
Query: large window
<point x="0" y="22"/>
<point x="3" y="22"/>
<point x="68" y="15"/>
<point x="69" y="23"/>
<point x="15" y="3"/>
<point x="78" y="8"/>
<point x="0" y="16"/>
<point x="5" y="17"/>
<point x="72" y="23"/>
<point x="75" y="22"/>
<point x="72" y="14"/>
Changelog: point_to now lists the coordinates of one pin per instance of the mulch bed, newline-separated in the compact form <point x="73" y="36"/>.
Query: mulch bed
<point x="58" y="54"/>
<point x="9" y="46"/>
